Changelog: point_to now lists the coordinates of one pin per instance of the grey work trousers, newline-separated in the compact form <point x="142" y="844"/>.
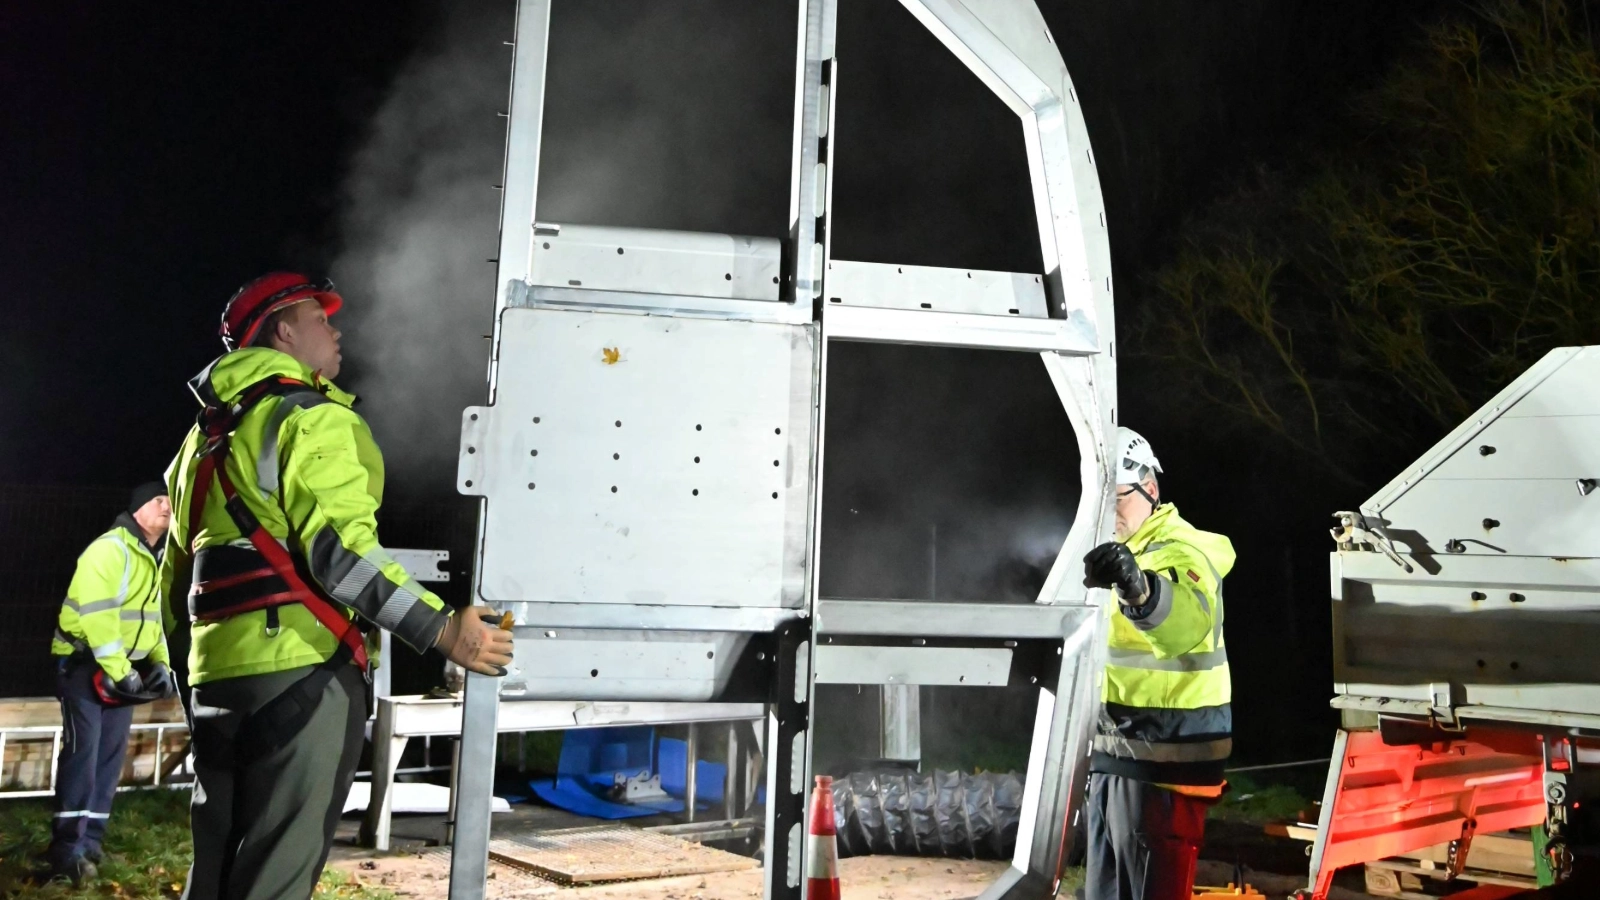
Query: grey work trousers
<point x="1144" y="840"/>
<point x="263" y="829"/>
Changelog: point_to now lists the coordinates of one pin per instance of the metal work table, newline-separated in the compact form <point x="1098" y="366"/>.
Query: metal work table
<point x="399" y="719"/>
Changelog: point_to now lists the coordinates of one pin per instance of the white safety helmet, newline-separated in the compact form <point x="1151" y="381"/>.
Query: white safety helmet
<point x="1134" y="456"/>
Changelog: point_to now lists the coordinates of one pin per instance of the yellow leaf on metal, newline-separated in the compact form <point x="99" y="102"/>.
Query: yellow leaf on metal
<point x="611" y="355"/>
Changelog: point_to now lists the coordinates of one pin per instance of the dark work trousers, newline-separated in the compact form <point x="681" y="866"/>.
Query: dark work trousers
<point x="263" y="829"/>
<point x="1144" y="840"/>
<point x="94" y="739"/>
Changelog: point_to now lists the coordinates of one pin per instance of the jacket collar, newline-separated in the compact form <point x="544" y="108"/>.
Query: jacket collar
<point x="1166" y="526"/>
<point x="229" y="375"/>
<point x="126" y="522"/>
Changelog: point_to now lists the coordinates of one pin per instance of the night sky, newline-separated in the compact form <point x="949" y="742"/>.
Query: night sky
<point x="157" y="155"/>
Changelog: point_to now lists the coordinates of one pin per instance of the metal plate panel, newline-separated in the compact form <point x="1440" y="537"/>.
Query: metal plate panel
<point x="1368" y="698"/>
<point x="966" y="620"/>
<point x="1512" y="395"/>
<point x="522" y="295"/>
<point x="593" y="665"/>
<point x="416" y="717"/>
<point x="934" y="288"/>
<point x="1536" y="517"/>
<point x="954" y="666"/>
<point x="1468" y="571"/>
<point x="1566" y="446"/>
<point x="652" y="261"/>
<point x="423" y="565"/>
<point x="643" y="460"/>
<point x="1569" y="391"/>
<point x="650" y="618"/>
<point x="1503" y="631"/>
<point x="1507" y="646"/>
<point x="940" y="329"/>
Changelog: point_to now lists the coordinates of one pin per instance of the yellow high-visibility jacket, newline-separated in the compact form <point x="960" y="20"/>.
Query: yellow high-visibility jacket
<point x="113" y="610"/>
<point x="1166" y="715"/>
<point x="306" y="465"/>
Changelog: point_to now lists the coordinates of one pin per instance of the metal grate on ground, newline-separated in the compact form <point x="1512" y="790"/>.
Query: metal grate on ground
<point x="504" y="882"/>
<point x="610" y="853"/>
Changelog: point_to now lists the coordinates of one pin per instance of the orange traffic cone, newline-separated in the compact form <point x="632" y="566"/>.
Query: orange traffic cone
<point x="822" y="853"/>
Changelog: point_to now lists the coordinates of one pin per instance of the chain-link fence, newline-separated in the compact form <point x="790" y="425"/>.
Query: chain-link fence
<point x="44" y="528"/>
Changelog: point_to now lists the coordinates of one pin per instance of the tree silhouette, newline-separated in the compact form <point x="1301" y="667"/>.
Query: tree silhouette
<point x="1359" y="308"/>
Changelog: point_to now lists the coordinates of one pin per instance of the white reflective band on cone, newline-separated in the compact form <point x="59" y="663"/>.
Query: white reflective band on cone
<point x="822" y="859"/>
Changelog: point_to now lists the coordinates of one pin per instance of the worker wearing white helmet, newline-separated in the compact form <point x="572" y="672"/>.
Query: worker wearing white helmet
<point x="1165" y="729"/>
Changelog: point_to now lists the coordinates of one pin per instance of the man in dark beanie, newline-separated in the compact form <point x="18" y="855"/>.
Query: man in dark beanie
<point x="110" y="656"/>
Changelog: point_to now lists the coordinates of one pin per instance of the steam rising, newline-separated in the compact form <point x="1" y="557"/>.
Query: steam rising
<point x="639" y="132"/>
<point x="636" y="132"/>
<point x="419" y="223"/>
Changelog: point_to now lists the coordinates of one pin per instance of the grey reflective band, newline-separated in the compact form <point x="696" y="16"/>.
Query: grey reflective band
<point x="357" y="581"/>
<point x="94" y="606"/>
<point x="1189" y="662"/>
<point x="1205" y="604"/>
<point x="108" y="649"/>
<point x="82" y="814"/>
<point x="138" y="614"/>
<point x="127" y="567"/>
<point x="395" y="608"/>
<point x="1149" y="751"/>
<point x="1159" y="605"/>
<point x="354" y="581"/>
<point x="139" y="654"/>
<point x="267" y="460"/>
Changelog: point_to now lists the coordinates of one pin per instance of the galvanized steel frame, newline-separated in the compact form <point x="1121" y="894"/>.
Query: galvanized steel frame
<point x="1007" y="45"/>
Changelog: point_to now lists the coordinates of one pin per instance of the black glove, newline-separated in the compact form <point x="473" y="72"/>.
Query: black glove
<point x="1112" y="565"/>
<point x="131" y="684"/>
<point x="159" y="682"/>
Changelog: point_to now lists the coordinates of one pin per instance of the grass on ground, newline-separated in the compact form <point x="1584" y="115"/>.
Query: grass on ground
<point x="147" y="853"/>
<point x="1257" y="800"/>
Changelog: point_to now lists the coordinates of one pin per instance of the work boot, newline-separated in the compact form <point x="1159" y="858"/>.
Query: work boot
<point x="76" y="870"/>
<point x="94" y="854"/>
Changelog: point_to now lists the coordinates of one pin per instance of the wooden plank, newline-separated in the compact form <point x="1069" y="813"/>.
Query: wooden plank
<point x="609" y="853"/>
<point x="1476" y="876"/>
<point x="28" y="757"/>
<point x="1307" y="833"/>
<point x="1504" y="852"/>
<point x="37" y="712"/>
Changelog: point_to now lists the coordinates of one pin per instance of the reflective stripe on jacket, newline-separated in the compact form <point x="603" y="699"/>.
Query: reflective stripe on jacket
<point x="112" y="610"/>
<point x="306" y="465"/>
<point x="1167" y="714"/>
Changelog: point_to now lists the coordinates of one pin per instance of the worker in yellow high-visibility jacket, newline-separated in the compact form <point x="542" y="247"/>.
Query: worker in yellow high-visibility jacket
<point x="273" y="580"/>
<point x="1165" y="729"/>
<point x="110" y="655"/>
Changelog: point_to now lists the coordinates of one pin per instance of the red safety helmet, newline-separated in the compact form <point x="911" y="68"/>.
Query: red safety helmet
<point x="252" y="304"/>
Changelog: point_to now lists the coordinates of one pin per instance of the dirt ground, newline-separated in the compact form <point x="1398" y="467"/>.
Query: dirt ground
<point x="424" y="875"/>
<point x="419" y="869"/>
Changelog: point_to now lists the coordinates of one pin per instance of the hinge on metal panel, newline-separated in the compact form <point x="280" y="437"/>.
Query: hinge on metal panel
<point x="1442" y="706"/>
<point x="1456" y="857"/>
<point x="1558" y="764"/>
<point x="546" y="228"/>
<point x="1354" y="533"/>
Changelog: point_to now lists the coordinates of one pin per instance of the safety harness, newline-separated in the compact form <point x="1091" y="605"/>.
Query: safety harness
<point x="277" y="584"/>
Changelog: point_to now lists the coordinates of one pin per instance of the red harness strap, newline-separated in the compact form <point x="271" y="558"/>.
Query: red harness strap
<point x="218" y="424"/>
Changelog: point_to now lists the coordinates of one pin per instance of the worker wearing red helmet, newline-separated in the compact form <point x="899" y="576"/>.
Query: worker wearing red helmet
<point x="274" y="543"/>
